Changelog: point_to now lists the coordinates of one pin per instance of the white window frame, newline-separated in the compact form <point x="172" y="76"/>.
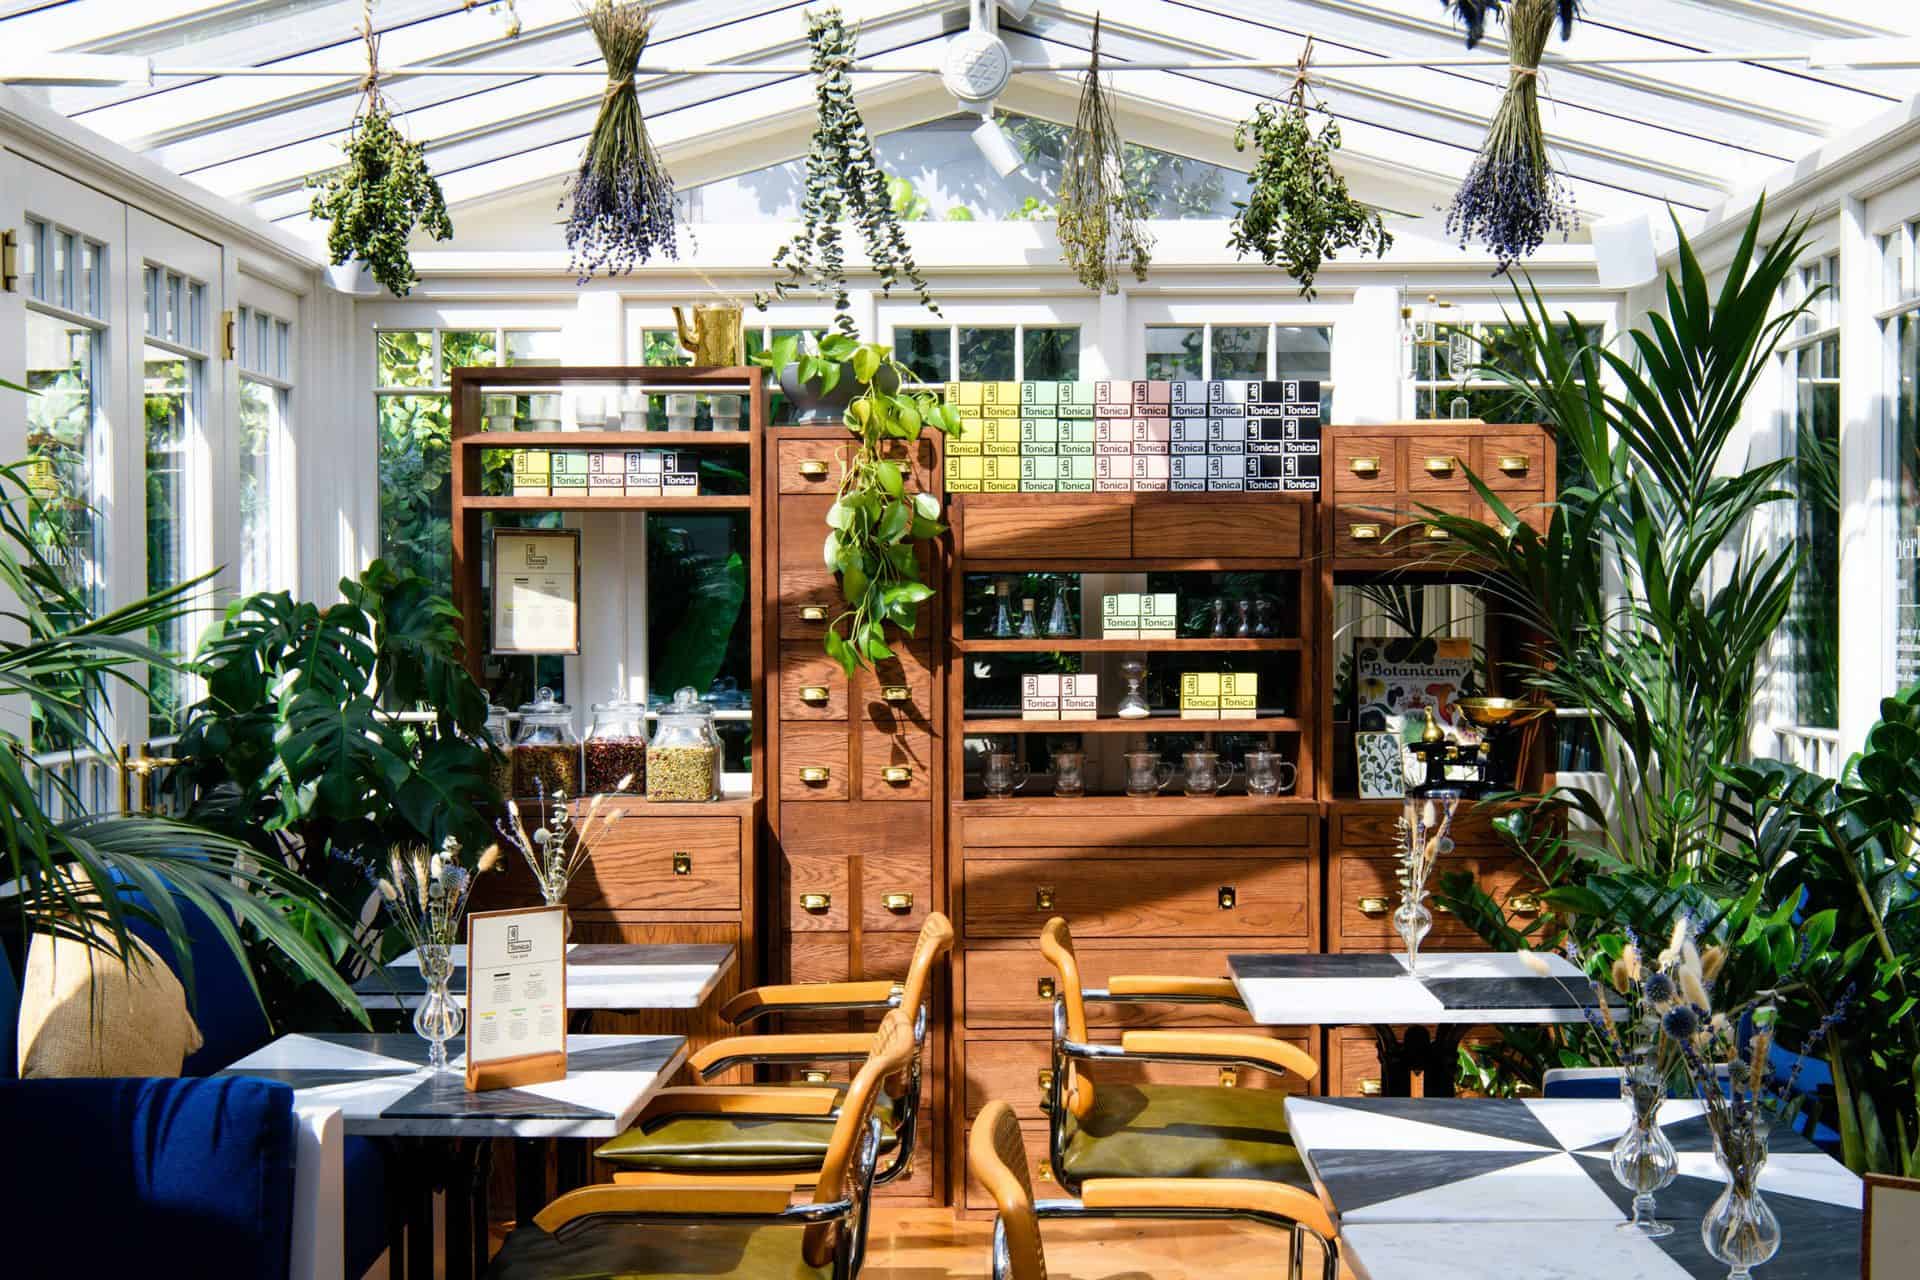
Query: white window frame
<point x="280" y="373"/>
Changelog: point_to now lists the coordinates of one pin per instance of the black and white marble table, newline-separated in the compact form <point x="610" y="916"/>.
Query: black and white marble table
<point x="1507" y="1188"/>
<point x="1449" y="992"/>
<point x="614" y="975"/>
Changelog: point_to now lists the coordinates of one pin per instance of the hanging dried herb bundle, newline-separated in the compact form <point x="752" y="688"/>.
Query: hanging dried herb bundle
<point x="1298" y="213"/>
<point x="620" y="204"/>
<point x="383" y="192"/>
<point x="1102" y="220"/>
<point x="844" y="183"/>
<point x="1512" y="198"/>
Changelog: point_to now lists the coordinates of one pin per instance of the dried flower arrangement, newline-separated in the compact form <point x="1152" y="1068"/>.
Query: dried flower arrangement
<point x="620" y="203"/>
<point x="1298" y="213"/>
<point x="844" y="183"/>
<point x="1101" y="218"/>
<point x="1512" y="198"/>
<point x="557" y="849"/>
<point x="426" y="894"/>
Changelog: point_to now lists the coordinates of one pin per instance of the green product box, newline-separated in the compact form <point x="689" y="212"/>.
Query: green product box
<point x="1039" y="398"/>
<point x="531" y="472"/>
<point x="1039" y="435"/>
<point x="965" y="471"/>
<point x="1003" y="437"/>
<point x="1076" y="400"/>
<point x="1120" y="615"/>
<point x="1039" y="474"/>
<point x="1076" y="438"/>
<point x="570" y="472"/>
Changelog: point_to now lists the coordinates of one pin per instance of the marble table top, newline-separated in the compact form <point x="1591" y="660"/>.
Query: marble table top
<point x="1376" y="989"/>
<point x="1524" y="1188"/>
<point x="381" y="1086"/>
<point x="616" y="975"/>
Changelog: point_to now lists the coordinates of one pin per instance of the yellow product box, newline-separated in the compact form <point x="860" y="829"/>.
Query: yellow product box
<point x="1003" y="436"/>
<point x="1239" y="695"/>
<point x="1200" y="695"/>
<point x="531" y="474"/>
<point x="1000" y="473"/>
<point x="965" y="471"/>
<point x="964" y="394"/>
<point x="972" y="437"/>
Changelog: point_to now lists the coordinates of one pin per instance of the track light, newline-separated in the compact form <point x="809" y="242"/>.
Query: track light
<point x="1017" y="9"/>
<point x="997" y="147"/>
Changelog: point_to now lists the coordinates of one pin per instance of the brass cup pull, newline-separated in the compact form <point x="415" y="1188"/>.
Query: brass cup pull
<point x="1524" y="904"/>
<point x="1516" y="464"/>
<point x="1043" y="898"/>
<point x="1045" y="1171"/>
<point x="1229" y="1077"/>
<point x="1044" y="988"/>
<point x="813" y="468"/>
<point x="816" y="903"/>
<point x="898" y="903"/>
<point x="683" y="864"/>
<point x="895" y="693"/>
<point x="1364" y="532"/>
<point x="1227" y="897"/>
<point x="1371" y="1087"/>
<point x="897" y="774"/>
<point x="813" y="613"/>
<point x="813" y="693"/>
<point x="814" y="1075"/>
<point x="1441" y="465"/>
<point x="1436" y="534"/>
<point x="814" y="773"/>
<point x="1372" y="906"/>
<point x="1364" y="466"/>
<point x="1046" y="1079"/>
<point x="1442" y="909"/>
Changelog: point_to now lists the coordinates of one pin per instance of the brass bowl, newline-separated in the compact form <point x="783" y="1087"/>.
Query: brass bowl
<point x="1493" y="713"/>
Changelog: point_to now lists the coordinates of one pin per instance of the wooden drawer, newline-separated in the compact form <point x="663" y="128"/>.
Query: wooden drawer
<point x="896" y="890"/>
<point x="1196" y="528"/>
<point x="649" y="864"/>
<point x="806" y="747"/>
<point x="1364" y="465"/>
<point x="808" y="599"/>
<point x="1421" y="540"/>
<point x="1353" y="1063"/>
<point x="897" y="765"/>
<point x="1044" y="530"/>
<point x="898" y="692"/>
<point x="1004" y="986"/>
<point x="1010" y="1070"/>
<point x="918" y="459"/>
<point x="1366" y="531"/>
<point x="1150" y="828"/>
<point x="836" y="829"/>
<point x="1179" y="895"/>
<point x="810" y="466"/>
<point x="826" y="957"/>
<point x="1515" y="462"/>
<point x="812" y="685"/>
<point x="1364" y="892"/>
<point x="1039" y="1172"/>
<point x="1371" y="828"/>
<point x="815" y="890"/>
<point x="1438" y="464"/>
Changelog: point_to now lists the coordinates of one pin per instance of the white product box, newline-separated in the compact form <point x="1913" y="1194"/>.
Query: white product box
<point x="1079" y="697"/>
<point x="1040" y="697"/>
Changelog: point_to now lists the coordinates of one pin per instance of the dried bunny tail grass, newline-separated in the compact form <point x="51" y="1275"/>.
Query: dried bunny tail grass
<point x="1694" y="989"/>
<point x="387" y="890"/>
<point x="1679" y="938"/>
<point x="1631" y="959"/>
<point x="1623" y="974"/>
<point x="1536" y="962"/>
<point x="1712" y="960"/>
<point x="489" y="859"/>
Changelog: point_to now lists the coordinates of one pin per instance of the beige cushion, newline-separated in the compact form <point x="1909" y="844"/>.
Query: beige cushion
<point x="88" y="1013"/>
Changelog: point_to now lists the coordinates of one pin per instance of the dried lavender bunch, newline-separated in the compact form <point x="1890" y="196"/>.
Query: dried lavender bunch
<point x="1101" y="218"/>
<point x="620" y="203"/>
<point x="1512" y="199"/>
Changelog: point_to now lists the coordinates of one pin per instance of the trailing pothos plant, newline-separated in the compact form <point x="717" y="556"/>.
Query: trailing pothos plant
<point x="875" y="526"/>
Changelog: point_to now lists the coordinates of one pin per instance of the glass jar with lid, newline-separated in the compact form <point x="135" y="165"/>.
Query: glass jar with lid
<point x="499" y="745"/>
<point x="546" y="751"/>
<point x="616" y="748"/>
<point x="683" y="759"/>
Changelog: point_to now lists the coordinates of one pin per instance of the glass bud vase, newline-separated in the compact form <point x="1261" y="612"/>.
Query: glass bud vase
<point x="1644" y="1160"/>
<point x="439" y="1017"/>
<point x="1740" y="1229"/>
<point x="554" y="894"/>
<point x="1412" y="921"/>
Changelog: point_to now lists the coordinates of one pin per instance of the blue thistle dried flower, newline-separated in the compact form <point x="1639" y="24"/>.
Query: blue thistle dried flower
<point x="1657" y="988"/>
<point x="1681" y="1022"/>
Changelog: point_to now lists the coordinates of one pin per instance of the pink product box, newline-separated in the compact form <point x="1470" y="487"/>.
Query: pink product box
<point x="1151" y="472"/>
<point x="1112" y="474"/>
<point x="1111" y="398"/>
<point x="1079" y="697"/>
<point x="1152" y="435"/>
<point x="1040" y="697"/>
<point x="1113" y="436"/>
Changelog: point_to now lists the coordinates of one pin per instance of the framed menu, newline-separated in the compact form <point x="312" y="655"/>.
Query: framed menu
<point x="1889" y="1227"/>
<point x="536" y="591"/>
<point x="516" y="997"/>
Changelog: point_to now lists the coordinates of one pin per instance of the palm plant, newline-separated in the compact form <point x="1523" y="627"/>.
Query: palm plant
<point x="89" y="878"/>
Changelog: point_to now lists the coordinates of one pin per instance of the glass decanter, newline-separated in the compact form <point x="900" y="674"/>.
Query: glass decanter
<point x="1002" y="613"/>
<point x="1029" y="622"/>
<point x="1059" y="620"/>
<point x="1243" y="625"/>
<point x="1133" y="703"/>
<point x="439" y="1017"/>
<point x="1740" y="1229"/>
<point x="1644" y="1160"/>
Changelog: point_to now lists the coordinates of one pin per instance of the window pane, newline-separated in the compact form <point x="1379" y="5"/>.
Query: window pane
<point x="986" y="355"/>
<point x="1813" y="624"/>
<point x="172" y="406"/>
<point x="416" y="485"/>
<point x="1907" y="547"/>
<point x="59" y="290"/>
<point x="1239" y="351"/>
<point x="928" y="352"/>
<point x="662" y="347"/>
<point x="62" y="360"/>
<point x="262" y="417"/>
<point x="466" y="349"/>
<point x="1303" y="351"/>
<point x="532" y="346"/>
<point x="87" y="291"/>
<point x="1174" y="351"/>
<point x="29" y="260"/>
<point x="1051" y="355"/>
<point x="405" y="357"/>
<point x="282" y="366"/>
<point x="699" y="631"/>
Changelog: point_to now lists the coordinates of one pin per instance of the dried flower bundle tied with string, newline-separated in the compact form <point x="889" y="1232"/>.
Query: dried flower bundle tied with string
<point x="1101" y="217"/>
<point x="1298" y="213"/>
<point x="426" y="893"/>
<point x="556" y="850"/>
<point x="844" y="184"/>
<point x="1512" y="198"/>
<point x="620" y="203"/>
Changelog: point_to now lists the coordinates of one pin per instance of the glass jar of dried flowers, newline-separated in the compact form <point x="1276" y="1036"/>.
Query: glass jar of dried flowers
<point x="426" y="896"/>
<point x="557" y="849"/>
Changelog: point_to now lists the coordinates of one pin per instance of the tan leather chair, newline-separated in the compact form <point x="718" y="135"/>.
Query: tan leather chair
<point x="999" y="1160"/>
<point x="1105" y="1129"/>
<point x="739" y="1132"/>
<point x="735" y="1231"/>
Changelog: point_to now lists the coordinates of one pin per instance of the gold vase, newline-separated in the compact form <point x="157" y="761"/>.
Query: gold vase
<point x="713" y="339"/>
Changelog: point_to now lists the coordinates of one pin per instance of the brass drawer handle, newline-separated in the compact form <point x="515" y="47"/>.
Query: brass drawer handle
<point x="1046" y="1171"/>
<point x="812" y="468"/>
<point x="683" y="864"/>
<point x="1043" y="898"/>
<point x="1524" y="904"/>
<point x="895" y="693"/>
<point x="816" y="903"/>
<point x="1229" y="1077"/>
<point x="1227" y="897"/>
<point x="1364" y="532"/>
<point x="814" y="1075"/>
<point x="897" y="774"/>
<point x="815" y="773"/>
<point x="898" y="903"/>
<point x="1365" y="466"/>
<point x="1371" y="1087"/>
<point x="1373" y="906"/>
<point x="1442" y="909"/>
<point x="1436" y="534"/>
<point x="813" y="613"/>
<point x="1441" y="465"/>
<point x="1516" y="464"/>
<point x="813" y="693"/>
<point x="1046" y="1079"/>
<point x="1044" y="988"/>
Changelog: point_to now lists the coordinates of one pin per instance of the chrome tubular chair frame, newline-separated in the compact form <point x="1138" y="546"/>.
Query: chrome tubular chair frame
<point x="1072" y="1209"/>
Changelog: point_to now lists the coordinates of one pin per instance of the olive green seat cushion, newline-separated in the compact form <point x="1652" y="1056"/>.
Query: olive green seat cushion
<point x="734" y="1144"/>
<point x="650" y="1251"/>
<point x="1183" y="1131"/>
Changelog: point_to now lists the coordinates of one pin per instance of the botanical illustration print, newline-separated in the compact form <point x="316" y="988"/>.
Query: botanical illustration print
<point x="1381" y="771"/>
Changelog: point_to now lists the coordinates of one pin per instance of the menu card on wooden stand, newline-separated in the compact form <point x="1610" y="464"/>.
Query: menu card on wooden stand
<point x="1890" y="1226"/>
<point x="516" y="997"/>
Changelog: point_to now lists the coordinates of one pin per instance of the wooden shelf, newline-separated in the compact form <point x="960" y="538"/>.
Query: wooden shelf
<point x="1140" y="564"/>
<point x="601" y="439"/>
<point x="1174" y="644"/>
<point x="1051" y="806"/>
<point x="711" y="502"/>
<point x="1114" y="724"/>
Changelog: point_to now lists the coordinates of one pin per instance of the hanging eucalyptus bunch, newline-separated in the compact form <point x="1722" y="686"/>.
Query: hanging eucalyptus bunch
<point x="1512" y="198"/>
<point x="1101" y="218"/>
<point x="373" y="203"/>
<point x="1298" y="213"/>
<point x="620" y="203"/>
<point x="844" y="183"/>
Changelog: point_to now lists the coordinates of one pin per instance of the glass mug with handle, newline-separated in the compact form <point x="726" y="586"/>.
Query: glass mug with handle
<point x="1146" y="775"/>
<point x="1207" y="773"/>
<point x="1069" y="773"/>
<point x="1269" y="773"/>
<point x="1002" y="774"/>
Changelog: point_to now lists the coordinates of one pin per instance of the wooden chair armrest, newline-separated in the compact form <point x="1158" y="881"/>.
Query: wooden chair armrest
<point x="823" y="1047"/>
<point x="758" y="1002"/>
<point x="1276" y="1055"/>
<point x="1179" y="988"/>
<point x="1224" y="1194"/>
<point x="722" y="1099"/>
<point x="703" y="1200"/>
<point x="715" y="1178"/>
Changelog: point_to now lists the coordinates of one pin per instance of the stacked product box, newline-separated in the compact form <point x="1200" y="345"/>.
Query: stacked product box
<point x="1059" y="697"/>
<point x="1219" y="695"/>
<point x="605" y="473"/>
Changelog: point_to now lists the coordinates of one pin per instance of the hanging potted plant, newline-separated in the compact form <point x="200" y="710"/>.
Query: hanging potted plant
<point x="620" y="202"/>
<point x="1101" y="219"/>
<point x="844" y="183"/>
<point x="376" y="200"/>
<point x="1298" y="213"/>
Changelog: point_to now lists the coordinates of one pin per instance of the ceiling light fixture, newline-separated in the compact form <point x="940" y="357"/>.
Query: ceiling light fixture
<point x="997" y="147"/>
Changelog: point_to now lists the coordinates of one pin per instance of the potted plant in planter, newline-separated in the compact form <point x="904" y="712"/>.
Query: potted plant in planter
<point x="817" y="375"/>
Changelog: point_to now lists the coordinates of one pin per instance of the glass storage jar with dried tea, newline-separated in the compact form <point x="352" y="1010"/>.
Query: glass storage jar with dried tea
<point x="616" y="748"/>
<point x="500" y="746"/>
<point x="546" y="752"/>
<point x="683" y="759"/>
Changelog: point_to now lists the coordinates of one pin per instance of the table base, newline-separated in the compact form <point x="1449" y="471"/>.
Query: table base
<point x="1434" y="1053"/>
<point x="460" y="1170"/>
